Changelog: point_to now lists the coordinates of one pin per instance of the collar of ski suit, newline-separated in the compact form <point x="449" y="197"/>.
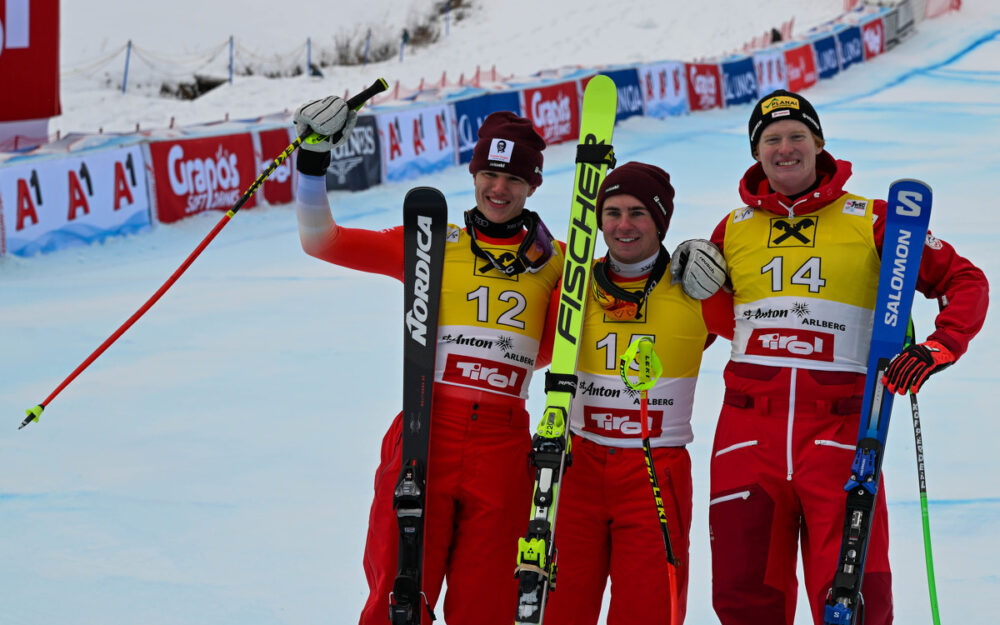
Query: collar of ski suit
<point x="833" y="174"/>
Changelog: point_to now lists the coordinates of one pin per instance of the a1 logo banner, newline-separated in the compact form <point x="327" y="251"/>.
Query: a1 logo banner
<point x="704" y="85"/>
<point x="664" y="89"/>
<point x="192" y="176"/>
<point x="416" y="141"/>
<point x="770" y="68"/>
<point x="48" y="205"/>
<point x="554" y="110"/>
<point x="800" y="65"/>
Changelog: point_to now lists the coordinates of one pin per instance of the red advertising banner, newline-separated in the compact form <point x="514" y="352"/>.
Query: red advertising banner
<point x="873" y="36"/>
<point x="554" y="110"/>
<point x="29" y="59"/>
<point x="195" y="175"/>
<point x="704" y="85"/>
<point x="800" y="67"/>
<point x="937" y="8"/>
<point x="277" y="189"/>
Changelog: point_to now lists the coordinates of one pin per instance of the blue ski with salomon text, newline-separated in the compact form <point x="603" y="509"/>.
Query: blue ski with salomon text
<point x="907" y="218"/>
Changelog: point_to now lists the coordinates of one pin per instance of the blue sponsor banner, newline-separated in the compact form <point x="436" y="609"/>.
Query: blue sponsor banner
<point x="630" y="101"/>
<point x="469" y="116"/>
<point x="739" y="81"/>
<point x="827" y="60"/>
<point x="851" y="49"/>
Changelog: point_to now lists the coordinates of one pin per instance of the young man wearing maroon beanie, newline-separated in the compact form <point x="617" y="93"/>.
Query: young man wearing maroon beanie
<point x="608" y="524"/>
<point x="803" y="257"/>
<point x="500" y="271"/>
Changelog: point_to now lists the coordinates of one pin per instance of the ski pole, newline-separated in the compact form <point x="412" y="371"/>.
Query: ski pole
<point x="354" y="102"/>
<point x="922" y="480"/>
<point x="650" y="369"/>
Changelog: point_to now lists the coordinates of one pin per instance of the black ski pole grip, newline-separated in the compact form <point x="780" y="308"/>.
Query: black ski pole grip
<point x="358" y="99"/>
<point x="355" y="102"/>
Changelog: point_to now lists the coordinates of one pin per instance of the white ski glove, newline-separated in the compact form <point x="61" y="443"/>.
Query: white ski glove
<point x="330" y="117"/>
<point x="699" y="267"/>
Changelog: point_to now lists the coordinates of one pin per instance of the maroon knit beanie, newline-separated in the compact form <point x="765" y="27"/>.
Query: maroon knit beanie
<point x="508" y="143"/>
<point x="648" y="183"/>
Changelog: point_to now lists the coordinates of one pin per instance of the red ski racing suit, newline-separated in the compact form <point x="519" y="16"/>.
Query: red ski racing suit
<point x="608" y="523"/>
<point x="804" y="276"/>
<point x="479" y="483"/>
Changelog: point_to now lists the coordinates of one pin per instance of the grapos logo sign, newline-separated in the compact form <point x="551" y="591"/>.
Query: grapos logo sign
<point x="208" y="183"/>
<point x="705" y="88"/>
<point x="14" y="30"/>
<point x="873" y="35"/>
<point x="553" y="116"/>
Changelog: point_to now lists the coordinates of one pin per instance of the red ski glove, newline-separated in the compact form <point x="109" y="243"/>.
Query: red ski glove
<point x="909" y="369"/>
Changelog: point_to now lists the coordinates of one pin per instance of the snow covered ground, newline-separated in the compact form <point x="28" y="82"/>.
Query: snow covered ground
<point x="215" y="465"/>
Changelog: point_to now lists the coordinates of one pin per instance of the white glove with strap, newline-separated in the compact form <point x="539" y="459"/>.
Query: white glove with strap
<point x="330" y="117"/>
<point x="699" y="267"/>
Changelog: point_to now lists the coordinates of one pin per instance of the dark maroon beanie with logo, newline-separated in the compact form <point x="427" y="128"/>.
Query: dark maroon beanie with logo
<point x="648" y="183"/>
<point x="509" y="144"/>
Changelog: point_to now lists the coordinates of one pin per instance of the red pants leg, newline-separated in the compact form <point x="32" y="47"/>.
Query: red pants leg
<point x="381" y="559"/>
<point x="640" y="590"/>
<point x="754" y="513"/>
<point x="583" y="539"/>
<point x="488" y="472"/>
<point x="608" y="525"/>
<point x="825" y="452"/>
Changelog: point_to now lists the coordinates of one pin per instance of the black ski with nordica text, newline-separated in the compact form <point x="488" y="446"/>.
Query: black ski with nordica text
<point x="425" y="221"/>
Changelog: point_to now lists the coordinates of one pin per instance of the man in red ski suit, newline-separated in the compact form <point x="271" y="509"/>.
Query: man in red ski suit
<point x="608" y="522"/>
<point x="803" y="258"/>
<point x="499" y="273"/>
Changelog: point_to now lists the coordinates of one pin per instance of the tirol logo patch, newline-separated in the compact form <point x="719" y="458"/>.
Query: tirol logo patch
<point x="791" y="343"/>
<point x="500" y="150"/>
<point x="855" y="207"/>
<point x="793" y="233"/>
<point x="621" y="422"/>
<point x="781" y="113"/>
<point x="485" y="374"/>
<point x="778" y="102"/>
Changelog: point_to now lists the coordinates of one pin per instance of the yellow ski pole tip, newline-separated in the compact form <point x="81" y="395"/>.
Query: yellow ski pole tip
<point x="33" y="414"/>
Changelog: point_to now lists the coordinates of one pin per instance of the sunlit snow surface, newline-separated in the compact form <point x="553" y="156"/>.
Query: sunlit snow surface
<point x="215" y="466"/>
